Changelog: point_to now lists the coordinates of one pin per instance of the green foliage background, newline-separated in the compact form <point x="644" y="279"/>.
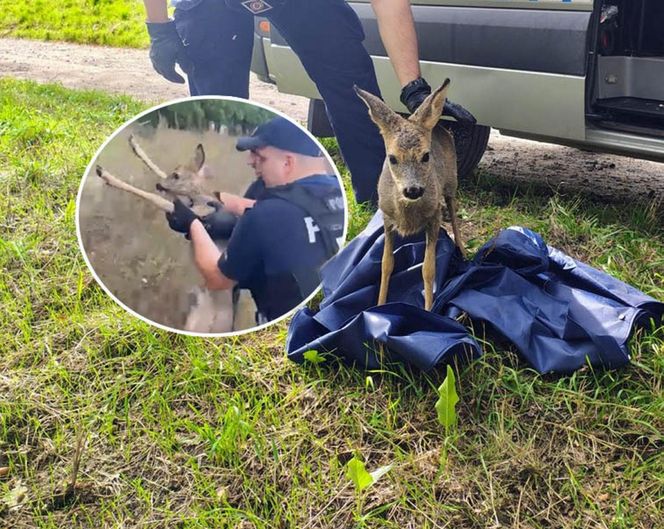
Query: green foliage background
<point x="198" y="115"/>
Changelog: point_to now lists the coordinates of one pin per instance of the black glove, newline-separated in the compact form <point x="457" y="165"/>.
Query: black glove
<point x="181" y="218"/>
<point x="166" y="48"/>
<point x="415" y="92"/>
<point x="219" y="224"/>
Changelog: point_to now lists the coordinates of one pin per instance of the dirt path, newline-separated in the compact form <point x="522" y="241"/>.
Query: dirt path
<point x="127" y="71"/>
<point x="115" y="70"/>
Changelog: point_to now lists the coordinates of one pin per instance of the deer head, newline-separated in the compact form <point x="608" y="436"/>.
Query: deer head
<point x="408" y="142"/>
<point x="187" y="179"/>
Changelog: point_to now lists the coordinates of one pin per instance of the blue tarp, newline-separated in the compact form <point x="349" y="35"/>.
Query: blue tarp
<point x="559" y="313"/>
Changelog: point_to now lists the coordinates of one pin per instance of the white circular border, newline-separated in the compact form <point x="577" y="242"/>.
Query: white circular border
<point x="93" y="161"/>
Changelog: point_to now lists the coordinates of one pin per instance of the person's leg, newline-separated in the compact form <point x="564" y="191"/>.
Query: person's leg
<point x="219" y="42"/>
<point x="327" y="37"/>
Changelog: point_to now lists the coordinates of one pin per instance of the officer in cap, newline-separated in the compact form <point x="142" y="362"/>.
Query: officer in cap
<point x="212" y="42"/>
<point x="284" y="236"/>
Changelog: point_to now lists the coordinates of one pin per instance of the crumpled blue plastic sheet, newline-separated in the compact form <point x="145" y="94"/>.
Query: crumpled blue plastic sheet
<point x="559" y="314"/>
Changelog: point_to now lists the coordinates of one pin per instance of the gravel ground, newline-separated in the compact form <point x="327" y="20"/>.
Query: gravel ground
<point x="128" y="71"/>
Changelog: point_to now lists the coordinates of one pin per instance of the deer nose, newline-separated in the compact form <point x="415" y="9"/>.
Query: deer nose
<point x="413" y="192"/>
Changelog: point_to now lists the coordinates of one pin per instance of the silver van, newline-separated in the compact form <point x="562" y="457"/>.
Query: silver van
<point x="576" y="72"/>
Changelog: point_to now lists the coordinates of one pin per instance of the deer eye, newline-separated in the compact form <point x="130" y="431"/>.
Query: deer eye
<point x="425" y="157"/>
<point x="175" y="176"/>
<point x="393" y="159"/>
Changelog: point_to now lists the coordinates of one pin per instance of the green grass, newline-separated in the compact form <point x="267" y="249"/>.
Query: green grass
<point x="108" y="22"/>
<point x="192" y="433"/>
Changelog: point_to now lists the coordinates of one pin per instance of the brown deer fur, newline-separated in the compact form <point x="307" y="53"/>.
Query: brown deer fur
<point x="419" y="177"/>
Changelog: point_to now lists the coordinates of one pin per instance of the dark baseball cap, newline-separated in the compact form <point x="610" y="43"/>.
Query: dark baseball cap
<point x="281" y="134"/>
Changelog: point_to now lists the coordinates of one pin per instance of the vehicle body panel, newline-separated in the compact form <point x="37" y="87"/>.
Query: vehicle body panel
<point x="562" y="5"/>
<point x="519" y="65"/>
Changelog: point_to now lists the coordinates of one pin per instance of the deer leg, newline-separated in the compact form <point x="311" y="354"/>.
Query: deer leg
<point x="429" y="265"/>
<point x="387" y="264"/>
<point x="201" y="313"/>
<point x="450" y="201"/>
<point x="223" y="311"/>
<point x="155" y="199"/>
<point x="145" y="158"/>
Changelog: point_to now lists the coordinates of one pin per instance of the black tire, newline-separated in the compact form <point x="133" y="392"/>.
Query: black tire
<point x="470" y="142"/>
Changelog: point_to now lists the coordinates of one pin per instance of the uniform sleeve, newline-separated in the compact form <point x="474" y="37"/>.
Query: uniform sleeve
<point x="243" y="257"/>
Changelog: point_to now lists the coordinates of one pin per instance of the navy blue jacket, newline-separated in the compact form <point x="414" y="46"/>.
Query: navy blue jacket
<point x="559" y="313"/>
<point x="277" y="249"/>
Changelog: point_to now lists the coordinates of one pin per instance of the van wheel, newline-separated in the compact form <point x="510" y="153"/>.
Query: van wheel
<point x="470" y="142"/>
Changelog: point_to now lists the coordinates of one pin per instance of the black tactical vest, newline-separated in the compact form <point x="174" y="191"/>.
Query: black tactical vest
<point x="327" y="210"/>
<point x="277" y="294"/>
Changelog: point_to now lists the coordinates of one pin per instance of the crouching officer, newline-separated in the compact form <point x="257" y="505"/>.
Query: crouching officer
<point x="279" y="243"/>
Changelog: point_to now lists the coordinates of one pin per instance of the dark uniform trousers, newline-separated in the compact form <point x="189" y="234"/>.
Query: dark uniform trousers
<point x="327" y="37"/>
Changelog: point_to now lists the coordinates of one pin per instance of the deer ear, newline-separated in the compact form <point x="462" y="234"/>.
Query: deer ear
<point x="379" y="112"/>
<point x="429" y="112"/>
<point x="199" y="157"/>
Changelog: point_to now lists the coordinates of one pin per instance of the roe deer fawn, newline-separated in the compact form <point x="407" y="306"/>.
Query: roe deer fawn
<point x="211" y="311"/>
<point x="189" y="182"/>
<point x="420" y="171"/>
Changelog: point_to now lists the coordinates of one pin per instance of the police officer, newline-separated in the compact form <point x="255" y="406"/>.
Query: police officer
<point x="212" y="42"/>
<point x="283" y="237"/>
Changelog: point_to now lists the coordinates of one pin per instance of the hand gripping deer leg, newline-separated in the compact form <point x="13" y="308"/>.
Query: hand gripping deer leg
<point x="429" y="265"/>
<point x="113" y="181"/>
<point x="451" y="207"/>
<point x="387" y="264"/>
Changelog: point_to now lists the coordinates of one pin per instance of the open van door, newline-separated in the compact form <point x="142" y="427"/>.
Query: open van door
<point x="626" y="85"/>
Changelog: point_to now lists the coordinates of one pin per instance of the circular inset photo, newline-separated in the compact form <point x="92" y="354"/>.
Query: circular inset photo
<point x="210" y="216"/>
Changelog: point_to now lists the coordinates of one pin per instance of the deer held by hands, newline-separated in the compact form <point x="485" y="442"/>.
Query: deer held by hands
<point x="418" y="179"/>
<point x="211" y="311"/>
<point x="189" y="182"/>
